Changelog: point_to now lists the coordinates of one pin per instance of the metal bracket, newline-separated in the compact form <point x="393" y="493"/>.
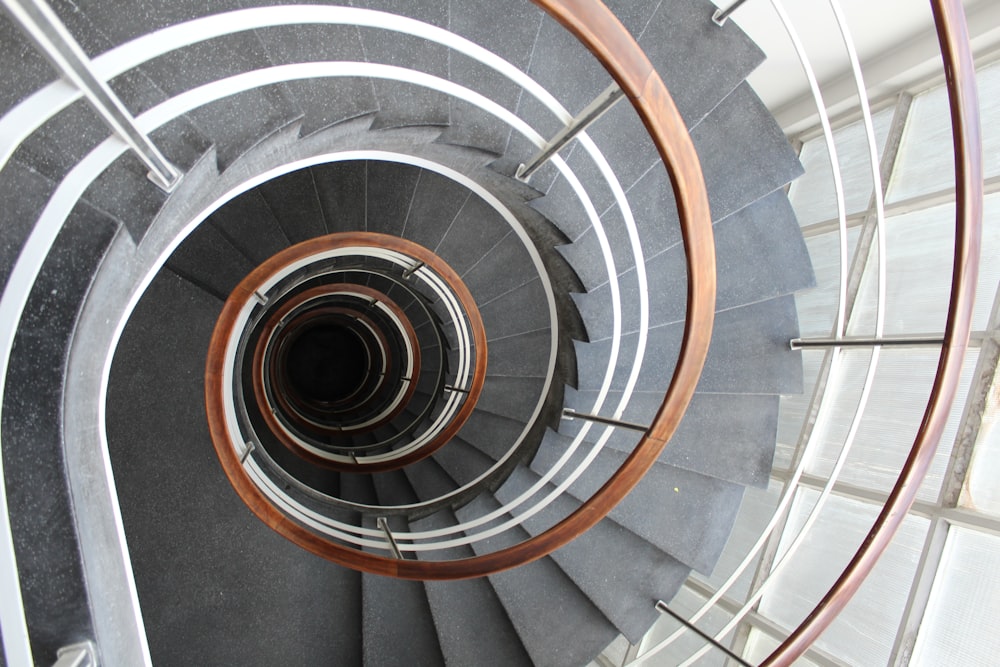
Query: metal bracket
<point x="393" y="547"/>
<point x="77" y="655"/>
<point x="601" y="104"/>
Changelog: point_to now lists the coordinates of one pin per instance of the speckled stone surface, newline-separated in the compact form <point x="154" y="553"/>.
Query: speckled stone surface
<point x="461" y="461"/>
<point x="474" y="231"/>
<point x="402" y="104"/>
<point x="729" y="436"/>
<point x="248" y="223"/>
<point x="511" y="397"/>
<point x="293" y="201"/>
<point x="52" y="587"/>
<point x="389" y="193"/>
<point x="683" y="513"/>
<point x="469" y="609"/>
<point x="24" y="192"/>
<point x="626" y="595"/>
<point x="340" y="187"/>
<point x="211" y="577"/>
<point x="323" y="102"/>
<point x="437" y="200"/>
<point x="699" y="61"/>
<point x="210" y="261"/>
<point x="25" y="70"/>
<point x="489" y="433"/>
<point x="535" y="594"/>
<point x="744" y="154"/>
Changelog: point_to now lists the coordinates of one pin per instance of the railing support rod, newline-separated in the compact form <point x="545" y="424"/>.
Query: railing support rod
<point x="662" y="607"/>
<point x="53" y="39"/>
<point x="722" y="15"/>
<point x="601" y="104"/>
<point x="393" y="547"/>
<point x="76" y="655"/>
<point x="901" y="341"/>
<point x="413" y="269"/>
<point x="569" y="413"/>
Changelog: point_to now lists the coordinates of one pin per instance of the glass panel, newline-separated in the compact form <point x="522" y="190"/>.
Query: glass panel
<point x="981" y="492"/>
<point x="895" y="408"/>
<point x="864" y="632"/>
<point x="960" y="624"/>
<point x="813" y="195"/>
<point x="793" y="409"/>
<point x="817" y="307"/>
<point x="926" y="163"/>
<point x="920" y="246"/>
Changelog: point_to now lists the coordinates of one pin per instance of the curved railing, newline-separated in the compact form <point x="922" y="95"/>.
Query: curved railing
<point x="610" y="43"/>
<point x="604" y="35"/>
<point x="960" y="79"/>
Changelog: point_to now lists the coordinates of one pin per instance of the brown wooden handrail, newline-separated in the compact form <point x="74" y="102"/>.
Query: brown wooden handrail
<point x="608" y="40"/>
<point x="961" y="76"/>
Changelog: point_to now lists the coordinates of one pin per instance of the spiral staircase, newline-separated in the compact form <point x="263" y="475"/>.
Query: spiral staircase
<point x="581" y="301"/>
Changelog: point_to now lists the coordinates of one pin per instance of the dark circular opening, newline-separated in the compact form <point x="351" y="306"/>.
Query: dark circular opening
<point x="326" y="363"/>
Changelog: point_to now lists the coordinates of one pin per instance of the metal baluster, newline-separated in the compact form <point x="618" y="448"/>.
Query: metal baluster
<point x="53" y="39"/>
<point x="592" y="112"/>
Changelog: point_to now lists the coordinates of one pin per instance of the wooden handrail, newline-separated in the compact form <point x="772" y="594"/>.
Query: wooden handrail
<point x="608" y="40"/>
<point x="214" y="386"/>
<point x="961" y="76"/>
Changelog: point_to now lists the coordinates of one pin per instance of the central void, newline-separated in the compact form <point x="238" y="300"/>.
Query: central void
<point x="327" y="363"/>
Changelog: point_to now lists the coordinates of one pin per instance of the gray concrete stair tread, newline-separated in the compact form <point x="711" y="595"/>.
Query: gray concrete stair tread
<point x="340" y="187"/>
<point x="469" y="609"/>
<point x="186" y="530"/>
<point x="461" y="461"/>
<point x="749" y="353"/>
<point x="491" y="434"/>
<point x="507" y="29"/>
<point x="475" y="230"/>
<point x="594" y="561"/>
<point x="323" y="101"/>
<point x="511" y="397"/>
<point x="681" y="38"/>
<point x="390" y="188"/>
<point x="400" y="103"/>
<point x="393" y="488"/>
<point x="564" y="67"/>
<point x="524" y="355"/>
<point x="694" y="512"/>
<point x="744" y="154"/>
<point x="43" y="532"/>
<point x="294" y="203"/>
<point x="398" y="627"/>
<point x="210" y="261"/>
<point x="504" y="267"/>
<point x="25" y="192"/>
<point x="518" y="311"/>
<point x="535" y="594"/>
<point x="248" y="223"/>
<point x="728" y="436"/>
<point x="428" y="479"/>
<point x="25" y="70"/>
<point x="437" y="200"/>
<point x="760" y="255"/>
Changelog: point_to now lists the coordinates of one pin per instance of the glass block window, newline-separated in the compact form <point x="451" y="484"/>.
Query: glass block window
<point x="960" y="624"/>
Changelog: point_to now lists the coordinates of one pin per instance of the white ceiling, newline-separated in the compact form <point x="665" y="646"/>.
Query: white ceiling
<point x="900" y="31"/>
